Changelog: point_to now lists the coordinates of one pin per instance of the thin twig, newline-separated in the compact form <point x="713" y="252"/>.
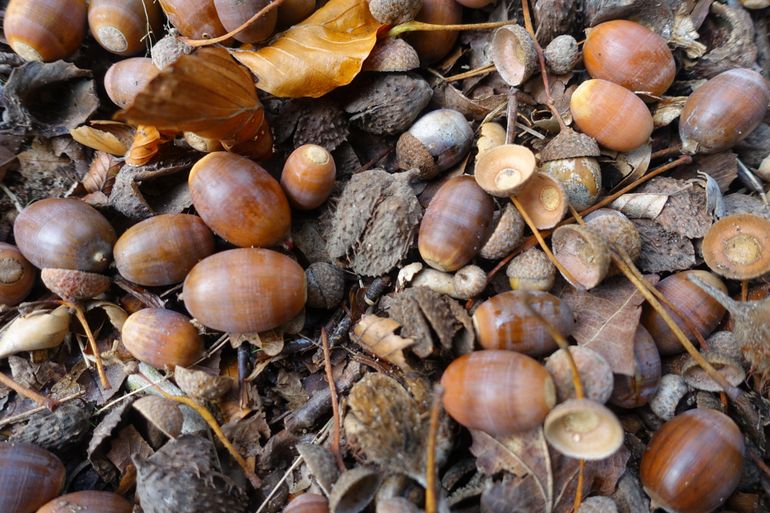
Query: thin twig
<point x="513" y="107"/>
<point x="206" y="42"/>
<point x="91" y="342"/>
<point x="472" y="73"/>
<point x="744" y="290"/>
<point x="12" y="197"/>
<point x="22" y="416"/>
<point x="541" y="241"/>
<point x="126" y="396"/>
<point x="419" y="26"/>
<point x="212" y="422"/>
<point x="665" y="152"/>
<point x="336" y="436"/>
<point x="579" y="491"/>
<point x="40" y="399"/>
<point x="431" y="485"/>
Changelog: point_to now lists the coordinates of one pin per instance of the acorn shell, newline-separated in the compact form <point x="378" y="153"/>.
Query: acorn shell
<point x="704" y="311"/>
<point x="631" y="55"/>
<point x="693" y="462"/>
<point x="17" y="276"/>
<point x="161" y="250"/>
<point x="29" y="477"/>
<point x="45" y="30"/>
<point x="611" y="114"/>
<point x="120" y="26"/>
<point x="584" y="429"/>
<point x="245" y="290"/>
<point x="583" y="252"/>
<point x="504" y="322"/>
<point x="162" y="338"/>
<point x="64" y="233"/>
<point x="499" y="392"/>
<point x="505" y="169"/>
<point x="544" y="199"/>
<point x="723" y="111"/>
<point x="74" y="285"/>
<point x="239" y="200"/>
<point x="456" y="224"/>
<point x="89" y="501"/>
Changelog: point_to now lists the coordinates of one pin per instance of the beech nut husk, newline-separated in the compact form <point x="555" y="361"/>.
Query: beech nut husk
<point x="498" y="392"/>
<point x="693" y="462"/>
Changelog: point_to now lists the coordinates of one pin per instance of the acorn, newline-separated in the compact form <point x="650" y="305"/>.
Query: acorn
<point x="196" y="19"/>
<point x="531" y="270"/>
<point x="88" y="501"/>
<point x="693" y="462"/>
<point x="611" y="114"/>
<point x="583" y="252"/>
<point x="499" y="392"/>
<point x="455" y="225"/>
<point x="234" y="13"/>
<point x="701" y="309"/>
<point x="308" y="503"/>
<point x="17" y="276"/>
<point x="723" y="111"/>
<point x="570" y="158"/>
<point x="308" y="176"/>
<point x="120" y="26"/>
<point x="29" y="477"/>
<point x="435" y="142"/>
<point x="162" y="338"/>
<point x="292" y="12"/>
<point x="127" y="78"/>
<point x="630" y="55"/>
<point x="45" y="30"/>
<point x="504" y="322"/>
<point x="432" y="46"/>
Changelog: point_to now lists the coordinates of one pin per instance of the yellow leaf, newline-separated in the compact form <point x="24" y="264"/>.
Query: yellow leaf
<point x="206" y="92"/>
<point x="106" y="136"/>
<point x="312" y="58"/>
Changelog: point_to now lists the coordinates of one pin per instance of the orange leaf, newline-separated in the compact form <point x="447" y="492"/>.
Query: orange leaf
<point x="107" y="136"/>
<point x="323" y="52"/>
<point x="145" y="146"/>
<point x="205" y="92"/>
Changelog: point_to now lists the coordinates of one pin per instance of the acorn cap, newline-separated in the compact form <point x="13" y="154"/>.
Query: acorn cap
<point x="74" y="285"/>
<point x="697" y="378"/>
<point x="583" y="429"/>
<point x="544" y="199"/>
<point x="738" y="246"/>
<point x="514" y="54"/>
<point x="569" y="144"/>
<point x="503" y="170"/>
<point x="583" y="252"/>
<point x="531" y="270"/>
<point x="508" y="233"/>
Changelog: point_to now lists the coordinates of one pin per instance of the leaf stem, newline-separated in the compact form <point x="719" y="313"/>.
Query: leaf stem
<point x="419" y="26"/>
<point x="206" y="42"/>
<point x="20" y="389"/>
<point x="81" y="317"/>
<point x="335" y="442"/>
<point x="431" y="495"/>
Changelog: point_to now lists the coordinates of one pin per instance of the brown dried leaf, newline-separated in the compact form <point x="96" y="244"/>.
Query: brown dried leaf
<point x="663" y="250"/>
<point x="206" y="92"/>
<point x="102" y="172"/>
<point x="685" y="212"/>
<point x="318" y="55"/>
<point x="513" y="495"/>
<point x="145" y="145"/>
<point x="128" y="444"/>
<point x="632" y="165"/>
<point x="607" y="318"/>
<point x="107" y="136"/>
<point x="640" y="205"/>
<point x="376" y="334"/>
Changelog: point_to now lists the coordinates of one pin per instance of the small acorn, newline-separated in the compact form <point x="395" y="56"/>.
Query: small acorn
<point x="531" y="270"/>
<point x="570" y="158"/>
<point x="562" y="54"/>
<point x="435" y="142"/>
<point x="393" y="12"/>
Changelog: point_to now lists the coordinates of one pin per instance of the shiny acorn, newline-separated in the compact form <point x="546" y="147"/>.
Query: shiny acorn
<point x="498" y="392"/>
<point x="45" y="30"/>
<point x="456" y="224"/>
<point x="234" y="13"/>
<point x="17" y="276"/>
<point x="161" y="250"/>
<point x="432" y="46"/>
<point x="88" y="501"/>
<point x="611" y="114"/>
<point x="239" y="200"/>
<point x="307" y="503"/>
<point x="245" y="290"/>
<point x="693" y="462"/>
<point x="308" y="176"/>
<point x="504" y="322"/>
<point x="64" y="233"/>
<point x="435" y="142"/>
<point x="723" y="111"/>
<point x="127" y="78"/>
<point x="197" y="19"/>
<point x="630" y="55"/>
<point x="29" y="477"/>
<point x="162" y="338"/>
<point x="120" y="26"/>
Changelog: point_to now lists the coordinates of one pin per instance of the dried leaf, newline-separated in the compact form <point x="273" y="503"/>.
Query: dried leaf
<point x="632" y="165"/>
<point x="145" y="145"/>
<point x="607" y="318"/>
<point x="206" y="92"/>
<point x="663" y="250"/>
<point x="667" y="110"/>
<point x="102" y="172"/>
<point x="640" y="205"/>
<point x="106" y="136"/>
<point x="318" y="55"/>
<point x="41" y="329"/>
<point x="376" y="334"/>
<point x="685" y="212"/>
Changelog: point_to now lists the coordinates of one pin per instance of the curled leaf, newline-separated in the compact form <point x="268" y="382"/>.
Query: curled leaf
<point x="376" y="334"/>
<point x="38" y="330"/>
<point x="145" y="146"/>
<point x="318" y="55"/>
<point x="107" y="136"/>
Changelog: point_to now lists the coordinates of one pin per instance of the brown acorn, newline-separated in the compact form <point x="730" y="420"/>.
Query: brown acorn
<point x="570" y="158"/>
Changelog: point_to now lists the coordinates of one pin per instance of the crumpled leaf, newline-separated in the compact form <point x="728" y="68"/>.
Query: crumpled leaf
<point x="376" y="334"/>
<point x="318" y="55"/>
<point x="640" y="205"/>
<point x="107" y="136"/>
<point x="205" y="92"/>
<point x="145" y="146"/>
<point x="101" y="173"/>
<point x="607" y="318"/>
<point x="41" y="329"/>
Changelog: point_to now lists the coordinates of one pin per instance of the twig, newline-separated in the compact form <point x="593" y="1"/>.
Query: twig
<point x="21" y="416"/>
<point x="744" y="290"/>
<point x="335" y="444"/>
<point x="206" y="42"/>
<point x="40" y="399"/>
<point x="12" y="197"/>
<point x="126" y="396"/>
<point x="472" y="73"/>
<point x="579" y="491"/>
<point x="665" y="152"/>
<point x="91" y="342"/>
<point x="212" y="422"/>
<point x="541" y="241"/>
<point x="419" y="26"/>
<point x="431" y="472"/>
<point x="513" y="107"/>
